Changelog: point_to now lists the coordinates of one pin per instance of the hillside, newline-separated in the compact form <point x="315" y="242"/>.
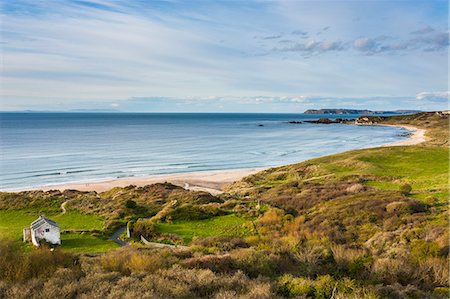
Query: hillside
<point x="369" y="223"/>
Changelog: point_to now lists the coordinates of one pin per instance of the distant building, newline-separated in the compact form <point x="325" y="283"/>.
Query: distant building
<point x="42" y="229"/>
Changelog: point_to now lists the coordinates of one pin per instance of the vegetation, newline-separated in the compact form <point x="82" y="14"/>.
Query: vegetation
<point x="229" y="225"/>
<point x="370" y="223"/>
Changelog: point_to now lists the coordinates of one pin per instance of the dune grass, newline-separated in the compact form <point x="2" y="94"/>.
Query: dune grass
<point x="228" y="225"/>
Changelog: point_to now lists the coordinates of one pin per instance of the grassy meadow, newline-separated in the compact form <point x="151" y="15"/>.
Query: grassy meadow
<point x="229" y="226"/>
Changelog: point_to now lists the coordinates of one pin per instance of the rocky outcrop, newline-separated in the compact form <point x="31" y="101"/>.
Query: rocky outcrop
<point x="325" y="120"/>
<point x="340" y="111"/>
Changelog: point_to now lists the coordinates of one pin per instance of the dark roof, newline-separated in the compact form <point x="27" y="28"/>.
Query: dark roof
<point x="38" y="222"/>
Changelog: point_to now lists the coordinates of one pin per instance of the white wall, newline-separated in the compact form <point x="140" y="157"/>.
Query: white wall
<point x="52" y="236"/>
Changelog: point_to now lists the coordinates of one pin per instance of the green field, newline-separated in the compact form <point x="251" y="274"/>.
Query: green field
<point x="229" y="225"/>
<point x="387" y="168"/>
<point x="86" y="243"/>
<point x="13" y="221"/>
<point x="424" y="168"/>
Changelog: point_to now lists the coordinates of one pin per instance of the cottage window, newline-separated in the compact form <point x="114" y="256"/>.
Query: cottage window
<point x="47" y="230"/>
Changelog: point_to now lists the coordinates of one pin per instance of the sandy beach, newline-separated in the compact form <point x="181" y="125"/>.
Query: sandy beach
<point x="209" y="181"/>
<point x="417" y="136"/>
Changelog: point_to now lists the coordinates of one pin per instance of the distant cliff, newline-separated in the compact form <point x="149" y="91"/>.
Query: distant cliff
<point x="356" y="111"/>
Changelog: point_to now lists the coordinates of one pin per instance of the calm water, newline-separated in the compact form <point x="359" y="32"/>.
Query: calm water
<point x="50" y="148"/>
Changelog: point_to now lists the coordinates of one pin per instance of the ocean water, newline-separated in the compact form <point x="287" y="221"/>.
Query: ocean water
<point x="39" y="149"/>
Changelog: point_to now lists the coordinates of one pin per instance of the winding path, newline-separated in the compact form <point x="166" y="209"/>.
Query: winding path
<point x="63" y="207"/>
<point x="116" y="237"/>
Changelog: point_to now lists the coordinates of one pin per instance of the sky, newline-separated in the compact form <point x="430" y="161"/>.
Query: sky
<point x="223" y="56"/>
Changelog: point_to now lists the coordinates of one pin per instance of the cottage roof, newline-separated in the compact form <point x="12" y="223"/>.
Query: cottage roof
<point x="41" y="220"/>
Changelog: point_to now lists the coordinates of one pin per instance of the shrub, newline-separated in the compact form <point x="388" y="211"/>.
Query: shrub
<point x="145" y="228"/>
<point x="216" y="263"/>
<point x="391" y="270"/>
<point x="130" y="204"/>
<point x="221" y="243"/>
<point x="434" y="271"/>
<point x="16" y="265"/>
<point x="254" y="263"/>
<point x="442" y="291"/>
<point x="405" y="189"/>
<point x="343" y="256"/>
<point x="406" y="207"/>
<point x="133" y="260"/>
<point x="191" y="212"/>
<point x="325" y="286"/>
<point x="291" y="287"/>
<point x="421" y="249"/>
<point x="356" y="188"/>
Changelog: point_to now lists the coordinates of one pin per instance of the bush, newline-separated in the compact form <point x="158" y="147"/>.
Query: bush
<point x="130" y="204"/>
<point x="132" y="260"/>
<point x="145" y="228"/>
<point x="324" y="287"/>
<point x="442" y="291"/>
<point x="405" y="189"/>
<point x="291" y="287"/>
<point x="421" y="249"/>
<point x="15" y="265"/>
<point x="221" y="243"/>
<point x="255" y="263"/>
<point x="191" y="212"/>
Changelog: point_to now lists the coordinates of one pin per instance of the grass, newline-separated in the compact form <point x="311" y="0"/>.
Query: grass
<point x="229" y="225"/>
<point x="86" y="243"/>
<point x="13" y="221"/>
<point x="425" y="168"/>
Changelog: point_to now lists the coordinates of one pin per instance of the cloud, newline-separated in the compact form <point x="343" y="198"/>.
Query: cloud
<point x="365" y="44"/>
<point x="436" y="96"/>
<point x="272" y="36"/>
<point x="105" y="51"/>
<point x="425" y="30"/>
<point x="300" y="32"/>
<point x="313" y="47"/>
<point x="427" y="41"/>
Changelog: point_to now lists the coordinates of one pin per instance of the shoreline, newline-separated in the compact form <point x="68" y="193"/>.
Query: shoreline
<point x="209" y="181"/>
<point x="417" y="135"/>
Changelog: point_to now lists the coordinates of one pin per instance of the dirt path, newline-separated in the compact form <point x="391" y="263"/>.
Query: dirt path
<point x="162" y="245"/>
<point x="63" y="207"/>
<point x="318" y="177"/>
<point x="116" y="236"/>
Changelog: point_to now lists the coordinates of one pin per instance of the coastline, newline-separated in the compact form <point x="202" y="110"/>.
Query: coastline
<point x="417" y="135"/>
<point x="208" y="181"/>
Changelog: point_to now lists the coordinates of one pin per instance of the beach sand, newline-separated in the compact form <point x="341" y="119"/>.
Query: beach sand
<point x="209" y="181"/>
<point x="417" y="136"/>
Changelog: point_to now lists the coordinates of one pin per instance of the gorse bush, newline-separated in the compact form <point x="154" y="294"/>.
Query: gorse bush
<point x="405" y="189"/>
<point x="129" y="260"/>
<point x="16" y="265"/>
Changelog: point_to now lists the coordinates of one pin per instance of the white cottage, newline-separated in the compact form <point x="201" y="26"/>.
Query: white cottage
<point x="43" y="229"/>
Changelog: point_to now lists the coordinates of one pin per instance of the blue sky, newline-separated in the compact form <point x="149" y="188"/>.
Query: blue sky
<point x="224" y="56"/>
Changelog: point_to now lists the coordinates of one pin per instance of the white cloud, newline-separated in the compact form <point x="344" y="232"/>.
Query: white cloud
<point x="106" y="51"/>
<point x="436" y="96"/>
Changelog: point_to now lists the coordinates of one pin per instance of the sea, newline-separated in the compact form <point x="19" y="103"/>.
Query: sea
<point x="40" y="149"/>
